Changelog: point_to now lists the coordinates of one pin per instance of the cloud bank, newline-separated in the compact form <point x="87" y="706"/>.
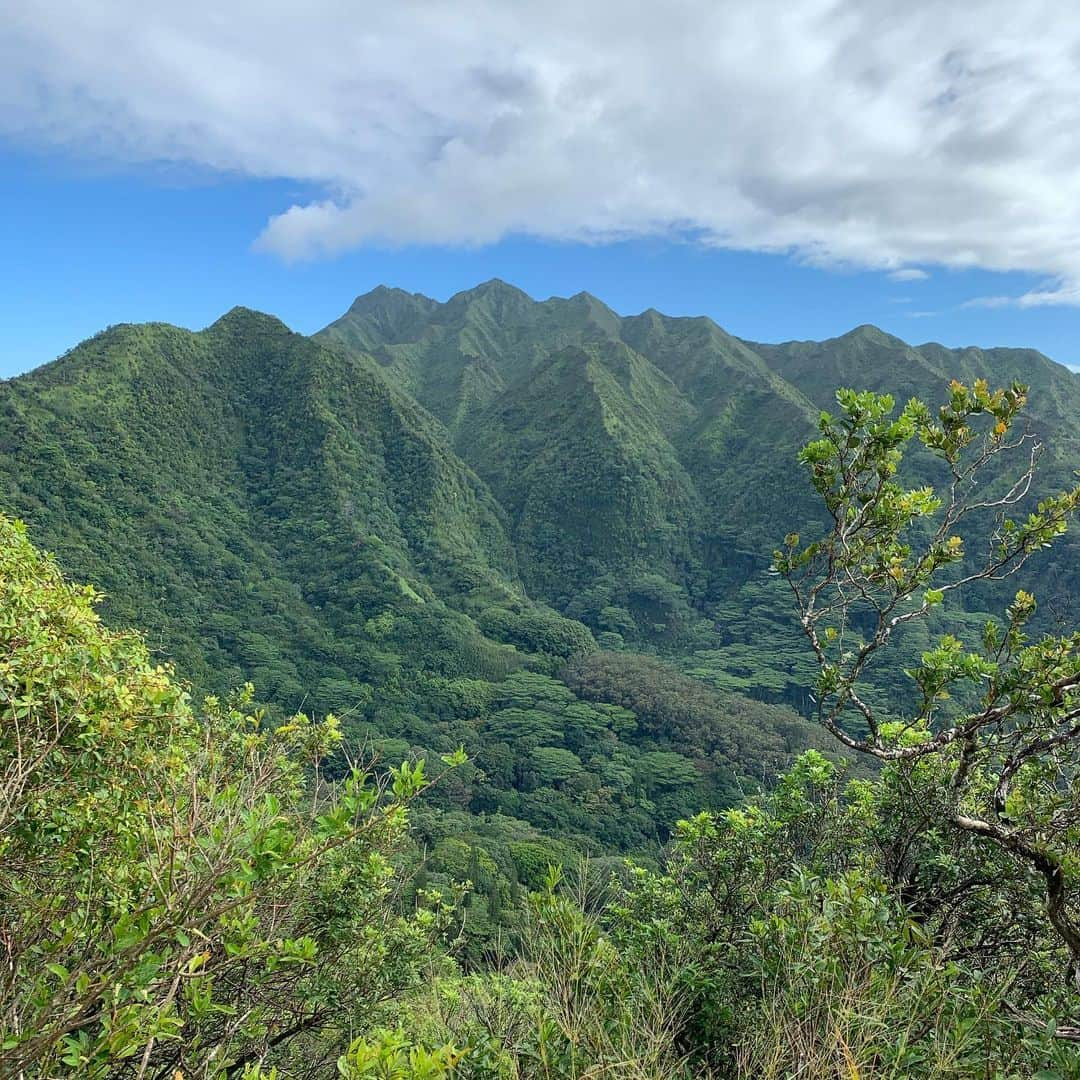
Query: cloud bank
<point x="858" y="132"/>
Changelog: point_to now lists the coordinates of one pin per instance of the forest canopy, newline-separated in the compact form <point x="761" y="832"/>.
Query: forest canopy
<point x="543" y="769"/>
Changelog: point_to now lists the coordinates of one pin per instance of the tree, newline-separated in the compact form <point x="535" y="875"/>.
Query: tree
<point x="989" y="737"/>
<point x="181" y="888"/>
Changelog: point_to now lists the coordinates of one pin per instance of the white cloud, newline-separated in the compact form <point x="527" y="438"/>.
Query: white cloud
<point x="1061" y="293"/>
<point x="842" y="131"/>
<point x="909" y="274"/>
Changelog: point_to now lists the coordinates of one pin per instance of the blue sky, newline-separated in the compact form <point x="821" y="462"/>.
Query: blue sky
<point x="790" y="170"/>
<point x="88" y="248"/>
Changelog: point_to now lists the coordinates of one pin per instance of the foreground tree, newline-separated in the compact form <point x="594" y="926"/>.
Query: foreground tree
<point x="180" y="890"/>
<point x="988" y="745"/>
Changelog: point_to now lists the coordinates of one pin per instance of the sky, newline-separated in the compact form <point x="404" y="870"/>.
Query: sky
<point x="792" y="169"/>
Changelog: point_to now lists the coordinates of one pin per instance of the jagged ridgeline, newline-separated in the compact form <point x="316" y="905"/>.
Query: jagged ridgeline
<point x="653" y="445"/>
<point x="419" y="516"/>
<point x="647" y="464"/>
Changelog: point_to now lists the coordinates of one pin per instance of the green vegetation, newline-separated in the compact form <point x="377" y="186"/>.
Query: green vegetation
<point x="999" y="722"/>
<point x="190" y="892"/>
<point x="645" y="463"/>
<point x="523" y="542"/>
<point x="180" y="888"/>
<point x="267" y="508"/>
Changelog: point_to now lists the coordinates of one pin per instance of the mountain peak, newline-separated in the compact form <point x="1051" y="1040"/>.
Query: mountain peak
<point x="241" y="318"/>
<point x="388" y="298"/>
<point x="867" y="332"/>
<point x="496" y="289"/>
<point x="593" y="303"/>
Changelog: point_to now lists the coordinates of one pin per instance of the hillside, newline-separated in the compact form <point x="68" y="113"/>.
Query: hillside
<point x="703" y="425"/>
<point x="668" y="396"/>
<point x="273" y="509"/>
<point x="192" y="475"/>
<point x="463" y="524"/>
<point x="169" y="867"/>
<point x="645" y="464"/>
<point x="448" y="462"/>
<point x="537" y="531"/>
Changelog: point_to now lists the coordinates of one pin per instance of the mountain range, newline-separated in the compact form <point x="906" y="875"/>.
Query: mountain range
<point x="460" y="522"/>
<point x="651" y="442"/>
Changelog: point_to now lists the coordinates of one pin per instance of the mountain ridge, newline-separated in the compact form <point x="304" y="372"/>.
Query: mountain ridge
<point x="488" y="523"/>
<point x="495" y="283"/>
<point x="743" y="408"/>
<point x="631" y="473"/>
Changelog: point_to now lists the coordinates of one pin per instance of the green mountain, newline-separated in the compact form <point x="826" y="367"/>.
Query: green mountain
<point x="660" y="450"/>
<point x="578" y="452"/>
<point x="871" y="359"/>
<point x="277" y="509"/>
<point x="194" y="476"/>
<point x="464" y="523"/>
<point x="538" y="532"/>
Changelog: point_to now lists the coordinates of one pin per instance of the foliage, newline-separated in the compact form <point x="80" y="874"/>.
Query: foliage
<point x="1003" y="717"/>
<point x="266" y="508"/>
<point x="643" y="462"/>
<point x="571" y="1007"/>
<point x="828" y="928"/>
<point x="834" y="931"/>
<point x="390" y="1055"/>
<point x="532" y="531"/>
<point x="181" y="889"/>
<point x="538" y="632"/>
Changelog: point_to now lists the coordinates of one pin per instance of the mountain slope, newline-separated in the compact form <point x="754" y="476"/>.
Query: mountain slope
<point x="418" y="517"/>
<point x="688" y="398"/>
<point x="535" y="530"/>
<point x="200" y="470"/>
<point x="709" y="426"/>
<point x="577" y="454"/>
<point x="272" y="508"/>
<point x="868" y="358"/>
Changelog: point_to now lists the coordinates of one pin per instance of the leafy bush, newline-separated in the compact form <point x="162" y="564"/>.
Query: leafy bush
<point x="538" y="630"/>
<point x="181" y="888"/>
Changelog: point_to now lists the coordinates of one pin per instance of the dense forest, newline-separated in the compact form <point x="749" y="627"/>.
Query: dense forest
<point x="449" y="610"/>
